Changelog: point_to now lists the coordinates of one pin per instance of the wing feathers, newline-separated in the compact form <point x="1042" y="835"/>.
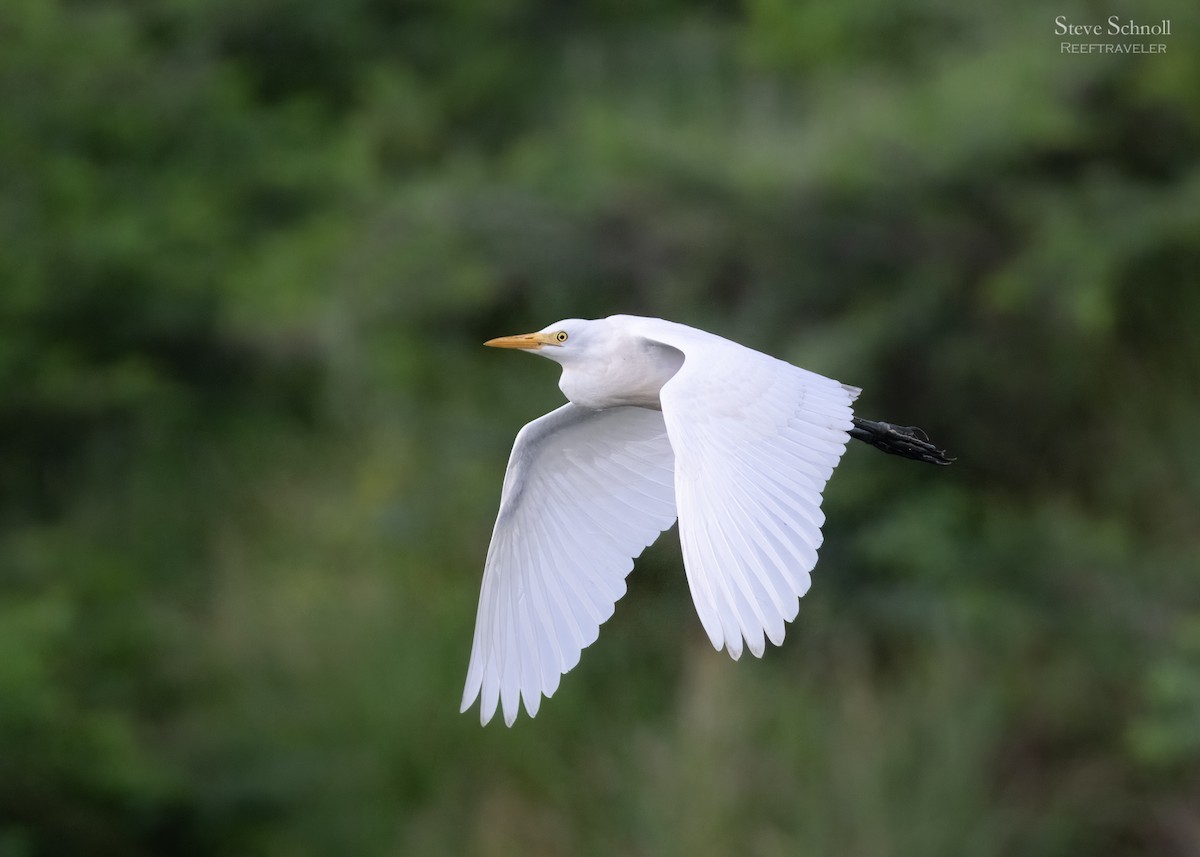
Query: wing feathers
<point x="755" y="441"/>
<point x="585" y="492"/>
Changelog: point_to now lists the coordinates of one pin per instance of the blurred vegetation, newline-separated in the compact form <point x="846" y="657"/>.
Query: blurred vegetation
<point x="250" y="449"/>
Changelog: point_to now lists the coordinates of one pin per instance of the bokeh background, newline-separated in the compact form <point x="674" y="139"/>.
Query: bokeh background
<point x="251" y="448"/>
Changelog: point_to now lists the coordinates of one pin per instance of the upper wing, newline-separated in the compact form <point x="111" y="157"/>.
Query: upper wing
<point x="585" y="492"/>
<point x="755" y="441"/>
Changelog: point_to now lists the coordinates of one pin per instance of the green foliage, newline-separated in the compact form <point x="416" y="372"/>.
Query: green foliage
<point x="250" y="449"/>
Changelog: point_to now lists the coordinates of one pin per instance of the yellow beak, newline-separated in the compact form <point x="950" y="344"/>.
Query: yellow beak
<point x="527" y="341"/>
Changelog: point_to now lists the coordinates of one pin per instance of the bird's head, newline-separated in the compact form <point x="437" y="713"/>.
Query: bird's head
<point x="559" y="341"/>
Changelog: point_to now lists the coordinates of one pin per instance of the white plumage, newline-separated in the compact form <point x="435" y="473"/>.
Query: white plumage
<point x="664" y="421"/>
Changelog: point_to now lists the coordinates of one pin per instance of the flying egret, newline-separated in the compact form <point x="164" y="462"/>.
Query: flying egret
<point x="663" y="421"/>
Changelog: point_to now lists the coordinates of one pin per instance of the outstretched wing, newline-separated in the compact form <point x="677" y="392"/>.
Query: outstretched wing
<point x="755" y="441"/>
<point x="585" y="492"/>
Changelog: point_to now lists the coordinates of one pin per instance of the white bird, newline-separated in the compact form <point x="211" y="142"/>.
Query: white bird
<point x="664" y="421"/>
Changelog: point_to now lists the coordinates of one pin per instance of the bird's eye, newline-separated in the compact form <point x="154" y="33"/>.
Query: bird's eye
<point x="561" y="336"/>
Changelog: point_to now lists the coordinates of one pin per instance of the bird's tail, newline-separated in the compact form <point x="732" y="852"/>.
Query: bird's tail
<point x="906" y="441"/>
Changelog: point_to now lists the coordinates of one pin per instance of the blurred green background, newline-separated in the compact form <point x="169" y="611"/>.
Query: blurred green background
<point x="251" y="448"/>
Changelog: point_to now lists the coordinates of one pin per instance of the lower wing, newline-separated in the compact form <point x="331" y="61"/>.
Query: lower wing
<point x="585" y="492"/>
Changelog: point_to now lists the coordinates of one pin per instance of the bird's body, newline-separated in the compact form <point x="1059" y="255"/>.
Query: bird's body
<point x="664" y="421"/>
